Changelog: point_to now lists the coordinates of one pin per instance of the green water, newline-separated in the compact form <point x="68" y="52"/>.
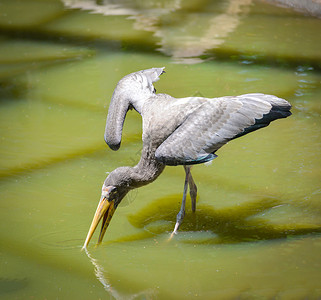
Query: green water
<point x="256" y="230"/>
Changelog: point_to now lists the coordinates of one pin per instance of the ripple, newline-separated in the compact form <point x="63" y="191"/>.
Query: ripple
<point x="62" y="240"/>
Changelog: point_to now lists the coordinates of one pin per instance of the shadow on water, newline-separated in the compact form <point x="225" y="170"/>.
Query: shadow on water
<point x="237" y="224"/>
<point x="12" y="285"/>
<point x="242" y="223"/>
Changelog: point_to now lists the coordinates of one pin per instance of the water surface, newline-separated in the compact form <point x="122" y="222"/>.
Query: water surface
<point x="256" y="230"/>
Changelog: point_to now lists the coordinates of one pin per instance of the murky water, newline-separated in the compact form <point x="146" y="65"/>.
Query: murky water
<point x="256" y="233"/>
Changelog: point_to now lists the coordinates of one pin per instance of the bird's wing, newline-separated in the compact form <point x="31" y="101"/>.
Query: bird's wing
<point x="216" y="122"/>
<point x="139" y="84"/>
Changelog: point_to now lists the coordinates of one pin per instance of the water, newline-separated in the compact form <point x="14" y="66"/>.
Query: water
<point x="256" y="231"/>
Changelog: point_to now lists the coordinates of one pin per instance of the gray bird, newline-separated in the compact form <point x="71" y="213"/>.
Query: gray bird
<point x="184" y="131"/>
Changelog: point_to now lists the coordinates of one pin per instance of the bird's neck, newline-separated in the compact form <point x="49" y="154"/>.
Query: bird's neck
<point x="147" y="170"/>
<point x="128" y="178"/>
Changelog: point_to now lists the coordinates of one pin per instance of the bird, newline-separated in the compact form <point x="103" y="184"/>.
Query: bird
<point x="176" y="131"/>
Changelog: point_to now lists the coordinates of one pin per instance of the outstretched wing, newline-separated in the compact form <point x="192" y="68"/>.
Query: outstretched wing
<point x="138" y="83"/>
<point x="216" y="122"/>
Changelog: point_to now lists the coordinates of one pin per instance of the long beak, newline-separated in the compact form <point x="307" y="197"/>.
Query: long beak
<point x="105" y="209"/>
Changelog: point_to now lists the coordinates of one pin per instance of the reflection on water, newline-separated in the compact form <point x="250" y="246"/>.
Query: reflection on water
<point x="189" y="48"/>
<point x="305" y="86"/>
<point x="102" y="276"/>
<point x="256" y="231"/>
<point x="177" y="39"/>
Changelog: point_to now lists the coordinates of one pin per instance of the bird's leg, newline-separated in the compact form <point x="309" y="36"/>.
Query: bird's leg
<point x="192" y="189"/>
<point x="181" y="213"/>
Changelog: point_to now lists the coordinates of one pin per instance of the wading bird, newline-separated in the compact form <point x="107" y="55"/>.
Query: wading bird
<point x="184" y="131"/>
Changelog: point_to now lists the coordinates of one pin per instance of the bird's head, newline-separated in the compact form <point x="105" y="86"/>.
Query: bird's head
<point x="114" y="189"/>
<point x="131" y="92"/>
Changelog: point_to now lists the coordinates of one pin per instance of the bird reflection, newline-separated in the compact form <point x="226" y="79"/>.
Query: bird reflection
<point x="238" y="224"/>
<point x="103" y="278"/>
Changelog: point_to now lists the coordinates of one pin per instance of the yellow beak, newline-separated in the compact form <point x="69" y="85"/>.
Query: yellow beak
<point x="105" y="209"/>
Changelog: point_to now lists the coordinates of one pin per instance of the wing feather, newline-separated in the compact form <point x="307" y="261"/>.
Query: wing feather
<point x="216" y="122"/>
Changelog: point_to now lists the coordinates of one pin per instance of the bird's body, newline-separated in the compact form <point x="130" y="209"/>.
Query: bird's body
<point x="183" y="131"/>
